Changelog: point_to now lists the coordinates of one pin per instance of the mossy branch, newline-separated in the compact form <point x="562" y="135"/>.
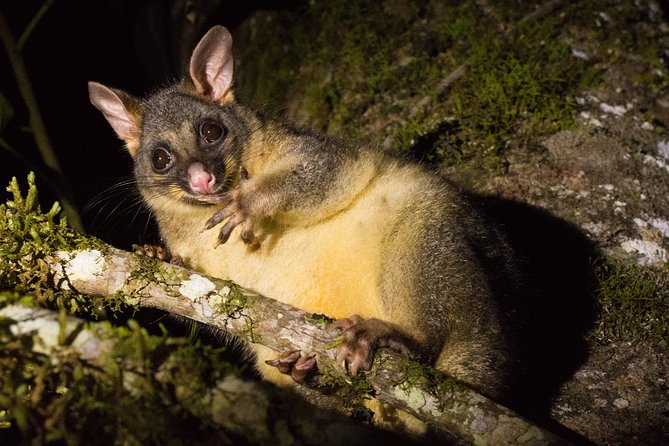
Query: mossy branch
<point x="39" y="255"/>
<point x="237" y="410"/>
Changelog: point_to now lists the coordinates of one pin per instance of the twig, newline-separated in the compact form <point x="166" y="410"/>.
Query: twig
<point x="37" y="124"/>
<point x="33" y="23"/>
<point x="453" y="76"/>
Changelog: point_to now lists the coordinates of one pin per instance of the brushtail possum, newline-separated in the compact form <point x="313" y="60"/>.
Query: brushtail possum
<point x="324" y="224"/>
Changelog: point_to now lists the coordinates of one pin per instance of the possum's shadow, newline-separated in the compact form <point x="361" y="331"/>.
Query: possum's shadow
<point x="553" y="309"/>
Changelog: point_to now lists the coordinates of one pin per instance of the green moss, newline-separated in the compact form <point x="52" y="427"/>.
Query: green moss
<point x="320" y="319"/>
<point x="64" y="399"/>
<point x="13" y="297"/>
<point x="146" y="272"/>
<point x="656" y="77"/>
<point x="230" y="302"/>
<point x="234" y="304"/>
<point x="515" y="88"/>
<point x="355" y="58"/>
<point x="411" y="130"/>
<point x="333" y="49"/>
<point x="274" y="73"/>
<point x="436" y="383"/>
<point x="27" y="237"/>
<point x="352" y="391"/>
<point x="358" y="64"/>
<point x="633" y="304"/>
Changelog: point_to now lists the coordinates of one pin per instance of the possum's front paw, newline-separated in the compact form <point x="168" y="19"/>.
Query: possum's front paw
<point x="362" y="337"/>
<point x="157" y="252"/>
<point x="235" y="215"/>
<point x="235" y="212"/>
<point x="303" y="370"/>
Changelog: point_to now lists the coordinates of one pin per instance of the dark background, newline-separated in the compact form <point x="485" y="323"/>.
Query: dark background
<point x="133" y="45"/>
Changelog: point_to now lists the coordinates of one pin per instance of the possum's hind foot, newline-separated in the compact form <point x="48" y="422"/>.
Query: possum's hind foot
<point x="303" y="369"/>
<point x="157" y="252"/>
<point x="362" y="337"/>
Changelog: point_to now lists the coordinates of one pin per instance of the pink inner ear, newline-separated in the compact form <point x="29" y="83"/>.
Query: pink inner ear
<point x="211" y="65"/>
<point x="220" y="77"/>
<point x="125" y="129"/>
<point x="119" y="119"/>
<point x="116" y="112"/>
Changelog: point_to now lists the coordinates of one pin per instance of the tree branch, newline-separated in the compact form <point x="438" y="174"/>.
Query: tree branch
<point x="431" y="396"/>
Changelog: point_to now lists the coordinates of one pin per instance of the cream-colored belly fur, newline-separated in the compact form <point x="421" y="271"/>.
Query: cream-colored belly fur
<point x="330" y="267"/>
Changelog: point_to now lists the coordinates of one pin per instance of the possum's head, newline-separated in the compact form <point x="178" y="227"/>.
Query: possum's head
<point x="187" y="140"/>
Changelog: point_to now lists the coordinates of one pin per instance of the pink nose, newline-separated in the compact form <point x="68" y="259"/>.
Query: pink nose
<point x="200" y="181"/>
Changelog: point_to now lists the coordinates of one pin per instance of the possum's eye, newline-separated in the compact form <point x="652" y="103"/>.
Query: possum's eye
<point x="211" y="131"/>
<point x="161" y="160"/>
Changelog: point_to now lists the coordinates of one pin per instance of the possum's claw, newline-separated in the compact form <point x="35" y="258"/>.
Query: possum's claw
<point x="236" y="218"/>
<point x="362" y="337"/>
<point x="235" y="213"/>
<point x="157" y="252"/>
<point x="303" y="369"/>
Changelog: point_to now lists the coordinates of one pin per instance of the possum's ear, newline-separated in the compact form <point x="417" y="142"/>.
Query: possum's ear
<point x="211" y="65"/>
<point x="121" y="110"/>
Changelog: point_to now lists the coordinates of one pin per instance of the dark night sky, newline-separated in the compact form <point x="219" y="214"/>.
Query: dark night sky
<point x="112" y="42"/>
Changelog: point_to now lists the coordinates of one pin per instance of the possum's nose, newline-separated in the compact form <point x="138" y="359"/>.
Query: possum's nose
<point x="200" y="180"/>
